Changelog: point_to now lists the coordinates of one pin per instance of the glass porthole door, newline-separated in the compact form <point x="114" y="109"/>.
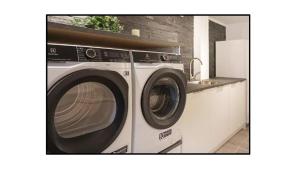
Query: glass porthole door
<point x="86" y="111"/>
<point x="163" y="98"/>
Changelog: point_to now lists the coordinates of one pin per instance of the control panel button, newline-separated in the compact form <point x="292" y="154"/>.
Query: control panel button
<point x="90" y="53"/>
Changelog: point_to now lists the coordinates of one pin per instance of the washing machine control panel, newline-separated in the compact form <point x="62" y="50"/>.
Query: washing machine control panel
<point x="58" y="52"/>
<point x="148" y="57"/>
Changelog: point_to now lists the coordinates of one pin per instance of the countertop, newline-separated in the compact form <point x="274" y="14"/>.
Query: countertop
<point x="191" y="88"/>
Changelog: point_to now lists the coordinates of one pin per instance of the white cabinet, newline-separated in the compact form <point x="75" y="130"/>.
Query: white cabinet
<point x="220" y="111"/>
<point x="196" y="123"/>
<point x="237" y="106"/>
<point x="212" y="116"/>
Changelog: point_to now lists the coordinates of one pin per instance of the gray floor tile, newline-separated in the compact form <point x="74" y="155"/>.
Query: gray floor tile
<point x="239" y="143"/>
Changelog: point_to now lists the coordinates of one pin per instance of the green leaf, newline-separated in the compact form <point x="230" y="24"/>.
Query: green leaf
<point x="107" y="23"/>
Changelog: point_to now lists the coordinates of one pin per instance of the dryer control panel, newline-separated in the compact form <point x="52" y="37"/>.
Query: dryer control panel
<point x="148" y="57"/>
<point x="60" y="52"/>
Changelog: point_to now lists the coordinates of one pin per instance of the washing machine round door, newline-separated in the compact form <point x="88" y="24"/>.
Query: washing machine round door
<point x="163" y="98"/>
<point x="86" y="111"/>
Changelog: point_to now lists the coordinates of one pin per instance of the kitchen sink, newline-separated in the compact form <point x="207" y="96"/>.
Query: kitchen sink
<point x="194" y="82"/>
<point x="209" y="82"/>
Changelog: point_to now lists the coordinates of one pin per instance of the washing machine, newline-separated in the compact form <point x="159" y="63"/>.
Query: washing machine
<point x="160" y="95"/>
<point x="89" y="108"/>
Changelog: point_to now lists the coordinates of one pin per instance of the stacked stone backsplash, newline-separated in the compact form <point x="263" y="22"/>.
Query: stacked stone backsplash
<point x="165" y="28"/>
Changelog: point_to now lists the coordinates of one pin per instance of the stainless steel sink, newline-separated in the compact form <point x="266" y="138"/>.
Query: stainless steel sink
<point x="194" y="82"/>
<point x="204" y="82"/>
<point x="209" y="82"/>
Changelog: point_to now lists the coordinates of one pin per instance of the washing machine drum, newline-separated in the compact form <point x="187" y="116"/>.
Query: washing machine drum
<point x="86" y="111"/>
<point x="163" y="98"/>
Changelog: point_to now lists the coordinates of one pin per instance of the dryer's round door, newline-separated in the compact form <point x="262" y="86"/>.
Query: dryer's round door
<point x="163" y="98"/>
<point x="86" y="111"/>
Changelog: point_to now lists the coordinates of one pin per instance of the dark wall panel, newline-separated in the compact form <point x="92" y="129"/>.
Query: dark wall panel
<point x="217" y="32"/>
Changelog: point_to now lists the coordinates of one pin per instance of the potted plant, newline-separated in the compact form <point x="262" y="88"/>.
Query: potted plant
<point x="106" y="23"/>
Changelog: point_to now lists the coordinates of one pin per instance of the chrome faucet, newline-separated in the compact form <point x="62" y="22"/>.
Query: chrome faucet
<point x="192" y="77"/>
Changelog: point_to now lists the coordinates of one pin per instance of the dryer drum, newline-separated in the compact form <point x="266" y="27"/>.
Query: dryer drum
<point x="86" y="111"/>
<point x="85" y="108"/>
<point x="163" y="98"/>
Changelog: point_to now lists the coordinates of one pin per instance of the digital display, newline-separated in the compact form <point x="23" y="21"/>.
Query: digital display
<point x="114" y="55"/>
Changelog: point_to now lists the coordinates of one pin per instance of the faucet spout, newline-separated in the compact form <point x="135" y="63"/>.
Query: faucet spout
<point x="193" y="76"/>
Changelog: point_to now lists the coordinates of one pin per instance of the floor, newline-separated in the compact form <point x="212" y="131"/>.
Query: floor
<point x="239" y="143"/>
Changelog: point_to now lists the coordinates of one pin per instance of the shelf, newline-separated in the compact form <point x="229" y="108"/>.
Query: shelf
<point x="61" y="33"/>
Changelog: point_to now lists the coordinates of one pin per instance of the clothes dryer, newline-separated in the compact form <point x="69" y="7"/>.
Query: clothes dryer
<point x="88" y="99"/>
<point x="160" y="95"/>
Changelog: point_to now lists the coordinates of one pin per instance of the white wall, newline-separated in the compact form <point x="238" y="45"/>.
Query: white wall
<point x="201" y="45"/>
<point x="237" y="31"/>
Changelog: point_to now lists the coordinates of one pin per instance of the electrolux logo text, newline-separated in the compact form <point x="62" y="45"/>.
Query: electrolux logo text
<point x="165" y="134"/>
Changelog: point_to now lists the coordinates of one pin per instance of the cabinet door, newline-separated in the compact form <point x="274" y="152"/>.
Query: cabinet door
<point x="237" y="105"/>
<point x="206" y="121"/>
<point x="220" y="110"/>
<point x="197" y="123"/>
<point x="233" y="99"/>
<point x="242" y="103"/>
